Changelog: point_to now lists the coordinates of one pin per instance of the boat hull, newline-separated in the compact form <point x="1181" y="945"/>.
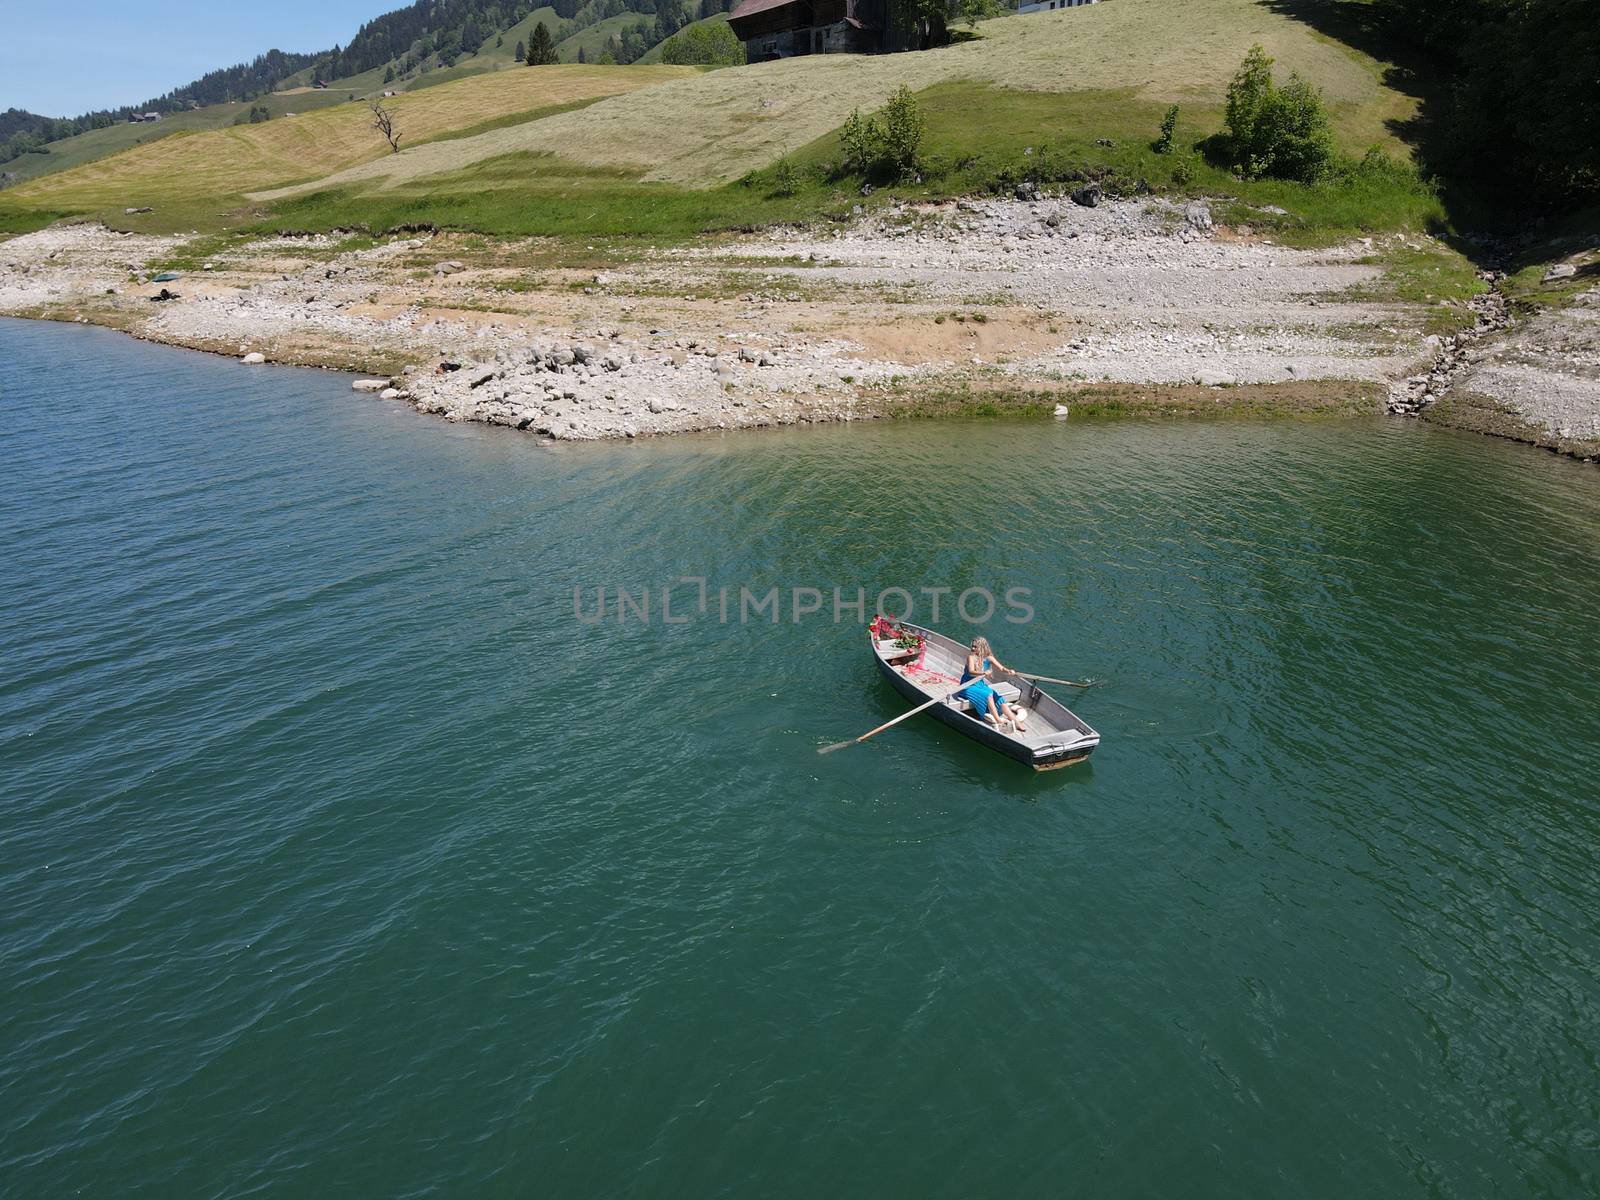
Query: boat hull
<point x="982" y="731"/>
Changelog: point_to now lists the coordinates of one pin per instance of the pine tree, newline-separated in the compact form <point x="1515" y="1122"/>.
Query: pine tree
<point x="582" y="57"/>
<point x="541" y="50"/>
<point x="522" y="52"/>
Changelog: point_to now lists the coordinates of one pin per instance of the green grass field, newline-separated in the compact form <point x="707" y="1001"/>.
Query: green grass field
<point x="979" y="140"/>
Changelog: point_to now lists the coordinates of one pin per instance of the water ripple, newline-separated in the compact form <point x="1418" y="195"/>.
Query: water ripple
<point x="340" y="858"/>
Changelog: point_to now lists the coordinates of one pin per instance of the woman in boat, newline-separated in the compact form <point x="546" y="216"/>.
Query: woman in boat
<point x="987" y="702"/>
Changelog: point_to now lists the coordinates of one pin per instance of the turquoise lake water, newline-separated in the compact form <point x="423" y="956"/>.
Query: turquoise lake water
<point x="340" y="858"/>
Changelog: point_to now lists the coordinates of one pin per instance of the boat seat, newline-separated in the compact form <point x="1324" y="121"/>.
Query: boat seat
<point x="1009" y="692"/>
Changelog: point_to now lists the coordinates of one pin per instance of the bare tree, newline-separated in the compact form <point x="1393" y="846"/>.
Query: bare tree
<point x="383" y="122"/>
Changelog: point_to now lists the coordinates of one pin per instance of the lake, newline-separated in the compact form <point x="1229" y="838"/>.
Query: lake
<point x="343" y="855"/>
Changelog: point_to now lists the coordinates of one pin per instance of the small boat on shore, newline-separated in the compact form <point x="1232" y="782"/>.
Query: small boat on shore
<point x="921" y="664"/>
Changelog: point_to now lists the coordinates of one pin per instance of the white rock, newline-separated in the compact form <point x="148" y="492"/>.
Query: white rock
<point x="389" y="394"/>
<point x="254" y="358"/>
<point x="369" y="385"/>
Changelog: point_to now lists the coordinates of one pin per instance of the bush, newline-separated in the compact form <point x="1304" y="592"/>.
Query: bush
<point x="858" y="140"/>
<point x="1282" y="132"/>
<point x="973" y="11"/>
<point x="712" y="45"/>
<point x="1169" y="125"/>
<point x="903" y="128"/>
<point x="887" y="144"/>
<point x="785" y="180"/>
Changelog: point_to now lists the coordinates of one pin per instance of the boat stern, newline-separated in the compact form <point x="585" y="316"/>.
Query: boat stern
<point x="1056" y="753"/>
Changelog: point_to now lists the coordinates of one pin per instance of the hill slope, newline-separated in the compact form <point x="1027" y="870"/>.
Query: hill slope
<point x="712" y="128"/>
<point x="224" y="163"/>
<point x="97" y="144"/>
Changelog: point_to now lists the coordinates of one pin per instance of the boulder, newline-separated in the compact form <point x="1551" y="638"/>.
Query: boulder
<point x="1560" y="271"/>
<point x="1197" y="216"/>
<point x="1089" y="195"/>
<point x="254" y="358"/>
<point x="1027" y="190"/>
<point x="448" y="267"/>
<point x="1207" y="378"/>
<point x="369" y="385"/>
<point x="389" y="394"/>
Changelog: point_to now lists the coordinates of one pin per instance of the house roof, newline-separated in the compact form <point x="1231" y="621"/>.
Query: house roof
<point x="749" y="8"/>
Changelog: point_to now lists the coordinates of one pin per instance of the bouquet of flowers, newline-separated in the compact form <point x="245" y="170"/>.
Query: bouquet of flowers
<point x="886" y="630"/>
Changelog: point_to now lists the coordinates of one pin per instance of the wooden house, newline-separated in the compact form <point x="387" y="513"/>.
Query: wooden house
<point x="772" y="29"/>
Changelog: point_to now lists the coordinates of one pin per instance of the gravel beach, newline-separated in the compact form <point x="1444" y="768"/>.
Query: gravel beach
<point x="1043" y="298"/>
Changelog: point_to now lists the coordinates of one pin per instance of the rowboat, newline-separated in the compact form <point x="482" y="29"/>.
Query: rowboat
<point x="1055" y="736"/>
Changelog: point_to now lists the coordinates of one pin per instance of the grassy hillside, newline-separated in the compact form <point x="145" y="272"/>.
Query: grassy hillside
<point x="219" y="165"/>
<point x="296" y="95"/>
<point x="99" y="143"/>
<point x="711" y="128"/>
<point x="593" y="39"/>
<point x="677" y="150"/>
<point x="979" y="137"/>
<point x="653" y="55"/>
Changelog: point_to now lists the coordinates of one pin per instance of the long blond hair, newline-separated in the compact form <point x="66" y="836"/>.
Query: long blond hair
<point x="980" y="647"/>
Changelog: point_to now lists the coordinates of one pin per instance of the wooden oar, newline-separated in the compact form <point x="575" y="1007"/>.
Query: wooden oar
<point x="1068" y="682"/>
<point x="913" y="712"/>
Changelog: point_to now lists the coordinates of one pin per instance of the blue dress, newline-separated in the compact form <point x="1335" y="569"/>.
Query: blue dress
<point x="979" y="693"/>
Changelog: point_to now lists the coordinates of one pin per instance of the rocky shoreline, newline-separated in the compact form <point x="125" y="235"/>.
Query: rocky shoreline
<point x="1041" y="298"/>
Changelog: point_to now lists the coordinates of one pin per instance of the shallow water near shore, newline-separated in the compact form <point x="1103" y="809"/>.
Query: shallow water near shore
<point x="340" y="858"/>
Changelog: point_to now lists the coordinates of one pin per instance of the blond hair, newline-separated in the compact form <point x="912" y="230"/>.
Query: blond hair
<point x="980" y="647"/>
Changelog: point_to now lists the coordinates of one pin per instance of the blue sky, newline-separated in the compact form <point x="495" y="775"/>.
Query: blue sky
<point x="65" y="58"/>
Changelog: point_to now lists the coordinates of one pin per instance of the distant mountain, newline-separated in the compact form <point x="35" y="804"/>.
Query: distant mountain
<point x="440" y="30"/>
